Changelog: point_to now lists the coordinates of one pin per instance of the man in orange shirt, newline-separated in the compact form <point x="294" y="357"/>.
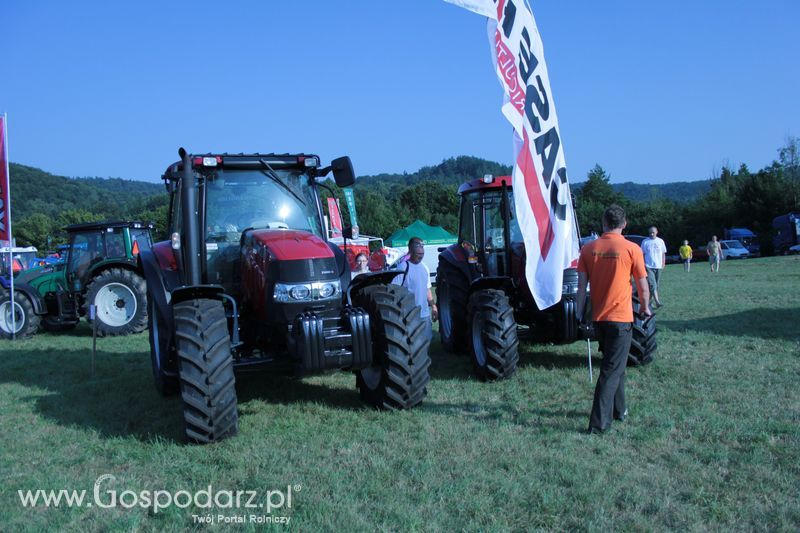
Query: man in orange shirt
<point x="608" y="263"/>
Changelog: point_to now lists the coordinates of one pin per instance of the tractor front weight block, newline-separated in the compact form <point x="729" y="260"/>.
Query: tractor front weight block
<point x="321" y="343"/>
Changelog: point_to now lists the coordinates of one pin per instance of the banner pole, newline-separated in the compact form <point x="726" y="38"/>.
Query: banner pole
<point x="7" y="186"/>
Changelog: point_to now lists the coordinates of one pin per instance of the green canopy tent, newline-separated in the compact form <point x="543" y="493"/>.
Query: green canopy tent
<point x="431" y="235"/>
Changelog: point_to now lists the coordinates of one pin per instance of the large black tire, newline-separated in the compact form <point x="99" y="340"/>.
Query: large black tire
<point x="27" y="322"/>
<point x="494" y="346"/>
<point x="452" y="289"/>
<point x="161" y="344"/>
<point x="643" y="341"/>
<point x="120" y="297"/>
<point x="206" y="370"/>
<point x="398" y="377"/>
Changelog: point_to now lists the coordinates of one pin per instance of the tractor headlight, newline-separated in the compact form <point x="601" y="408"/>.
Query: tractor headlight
<point x="326" y="290"/>
<point x="300" y="292"/>
<point x="307" y="292"/>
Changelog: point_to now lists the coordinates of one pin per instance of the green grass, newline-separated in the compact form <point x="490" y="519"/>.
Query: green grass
<point x="712" y="440"/>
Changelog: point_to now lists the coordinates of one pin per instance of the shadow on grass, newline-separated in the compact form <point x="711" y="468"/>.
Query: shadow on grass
<point x="459" y="366"/>
<point x="765" y="323"/>
<point x="119" y="400"/>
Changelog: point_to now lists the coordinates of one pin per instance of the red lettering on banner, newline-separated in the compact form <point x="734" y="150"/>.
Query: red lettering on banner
<point x="505" y="61"/>
<point x="541" y="213"/>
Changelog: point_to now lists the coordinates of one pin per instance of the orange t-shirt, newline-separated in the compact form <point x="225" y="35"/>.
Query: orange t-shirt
<point x="610" y="261"/>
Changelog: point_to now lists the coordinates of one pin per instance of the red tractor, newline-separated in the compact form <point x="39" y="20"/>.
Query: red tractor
<point x="249" y="278"/>
<point x="483" y="295"/>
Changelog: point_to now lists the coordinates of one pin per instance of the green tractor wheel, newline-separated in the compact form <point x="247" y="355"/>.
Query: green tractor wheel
<point x="120" y="298"/>
<point x="24" y="321"/>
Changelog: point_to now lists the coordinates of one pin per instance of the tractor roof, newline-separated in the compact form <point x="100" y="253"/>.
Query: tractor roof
<point x="240" y="160"/>
<point x="88" y="226"/>
<point x="482" y="185"/>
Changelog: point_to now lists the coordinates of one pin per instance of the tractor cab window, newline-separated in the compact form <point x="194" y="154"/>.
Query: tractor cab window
<point x="240" y="199"/>
<point x="483" y="225"/>
<point x="85" y="249"/>
<point x="468" y="230"/>
<point x="140" y="240"/>
<point x="115" y="242"/>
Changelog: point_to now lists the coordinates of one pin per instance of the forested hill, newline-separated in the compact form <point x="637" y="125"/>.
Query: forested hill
<point x="457" y="170"/>
<point x="36" y="191"/>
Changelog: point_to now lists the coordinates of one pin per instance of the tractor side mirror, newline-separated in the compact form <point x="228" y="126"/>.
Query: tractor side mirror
<point x="343" y="171"/>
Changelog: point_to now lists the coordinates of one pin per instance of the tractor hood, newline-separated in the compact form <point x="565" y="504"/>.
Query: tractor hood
<point x="290" y="245"/>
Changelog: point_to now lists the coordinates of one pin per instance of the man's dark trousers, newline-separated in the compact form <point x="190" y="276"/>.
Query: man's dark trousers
<point x="609" y="395"/>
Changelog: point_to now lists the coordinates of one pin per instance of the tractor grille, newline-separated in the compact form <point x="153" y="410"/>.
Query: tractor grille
<point x="303" y="270"/>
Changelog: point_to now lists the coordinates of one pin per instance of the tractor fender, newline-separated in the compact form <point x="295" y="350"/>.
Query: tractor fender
<point x="502" y="283"/>
<point x="32" y="294"/>
<point x="457" y="257"/>
<point x="363" y="281"/>
<point x="194" y="292"/>
<point x="156" y="286"/>
<point x="99" y="268"/>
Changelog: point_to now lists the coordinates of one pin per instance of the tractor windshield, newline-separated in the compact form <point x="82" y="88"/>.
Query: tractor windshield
<point x="241" y="199"/>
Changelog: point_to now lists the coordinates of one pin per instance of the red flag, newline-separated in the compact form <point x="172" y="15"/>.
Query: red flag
<point x="5" y="193"/>
<point x="336" y="217"/>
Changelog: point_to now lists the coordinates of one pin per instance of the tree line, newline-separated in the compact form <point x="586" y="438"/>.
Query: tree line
<point x="43" y="203"/>
<point x="736" y="198"/>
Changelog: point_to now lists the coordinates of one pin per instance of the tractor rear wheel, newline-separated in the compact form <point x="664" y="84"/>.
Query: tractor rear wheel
<point x="206" y="370"/>
<point x="160" y="347"/>
<point x="24" y="323"/>
<point x="120" y="298"/>
<point x="494" y="345"/>
<point x="398" y="377"/>
<point x="451" y="298"/>
<point x="643" y="341"/>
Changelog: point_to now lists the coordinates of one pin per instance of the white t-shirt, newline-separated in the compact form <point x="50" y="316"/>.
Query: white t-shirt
<point x="417" y="281"/>
<point x="654" y="250"/>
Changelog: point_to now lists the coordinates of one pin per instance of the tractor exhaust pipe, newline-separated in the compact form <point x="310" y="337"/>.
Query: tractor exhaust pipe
<point x="191" y="233"/>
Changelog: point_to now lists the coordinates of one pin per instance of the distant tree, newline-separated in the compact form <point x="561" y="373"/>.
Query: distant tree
<point x="595" y="195"/>
<point x="789" y="157"/>
<point x="34" y="230"/>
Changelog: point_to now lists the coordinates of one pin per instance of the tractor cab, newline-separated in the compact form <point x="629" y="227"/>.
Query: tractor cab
<point x="94" y="245"/>
<point x="488" y="230"/>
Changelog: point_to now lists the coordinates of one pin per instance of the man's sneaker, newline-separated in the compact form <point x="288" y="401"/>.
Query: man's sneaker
<point x="621" y="417"/>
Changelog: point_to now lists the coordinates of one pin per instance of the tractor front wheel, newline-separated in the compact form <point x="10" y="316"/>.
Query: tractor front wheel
<point x="399" y="374"/>
<point x="24" y="321"/>
<point x="494" y="345"/>
<point x="120" y="299"/>
<point x="206" y="370"/>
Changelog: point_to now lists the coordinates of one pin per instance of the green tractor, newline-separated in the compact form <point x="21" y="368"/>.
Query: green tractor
<point x="100" y="269"/>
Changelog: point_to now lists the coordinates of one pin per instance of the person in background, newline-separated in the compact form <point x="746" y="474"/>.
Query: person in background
<point x="714" y="250"/>
<point x="362" y="265"/>
<point x="416" y="277"/>
<point x="686" y="256"/>
<point x="655" y="257"/>
<point x="608" y="264"/>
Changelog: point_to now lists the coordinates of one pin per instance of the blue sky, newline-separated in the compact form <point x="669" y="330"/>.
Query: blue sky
<point x="652" y="91"/>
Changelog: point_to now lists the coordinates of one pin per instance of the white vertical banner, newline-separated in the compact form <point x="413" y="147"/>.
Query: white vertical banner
<point x="541" y="190"/>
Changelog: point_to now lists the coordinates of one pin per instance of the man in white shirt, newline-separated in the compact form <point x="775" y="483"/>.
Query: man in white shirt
<point x="655" y="257"/>
<point x="416" y="277"/>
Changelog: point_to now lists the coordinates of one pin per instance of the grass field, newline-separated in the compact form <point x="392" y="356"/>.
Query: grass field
<point x="712" y="440"/>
